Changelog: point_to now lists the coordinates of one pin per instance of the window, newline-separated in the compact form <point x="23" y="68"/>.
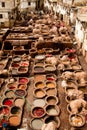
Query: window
<point x="1" y="16"/>
<point x="29" y="3"/>
<point x="2" y="24"/>
<point x="3" y="4"/>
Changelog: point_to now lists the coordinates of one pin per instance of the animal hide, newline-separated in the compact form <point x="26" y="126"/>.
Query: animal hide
<point x="76" y="104"/>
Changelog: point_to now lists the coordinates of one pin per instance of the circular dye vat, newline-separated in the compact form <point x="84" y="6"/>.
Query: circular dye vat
<point x="17" y="59"/>
<point x="36" y="123"/>
<point x="33" y="50"/>
<point x="39" y="102"/>
<point x="15" y="110"/>
<point x="38" y="112"/>
<point x="23" y="80"/>
<point x="19" y="102"/>
<point x="14" y="120"/>
<point x="39" y="64"/>
<point x="4" y="110"/>
<point x="20" y="93"/>
<point x="25" y="64"/>
<point x="18" y="47"/>
<point x="50" y="84"/>
<point x="39" y="84"/>
<point x="53" y="119"/>
<point x="9" y="94"/>
<point x="39" y="93"/>
<point x="22" y="69"/>
<point x="7" y="102"/>
<point x="52" y="100"/>
<point x="39" y="78"/>
<point x="76" y="120"/>
<point x="40" y="57"/>
<point x="15" y="65"/>
<point x="52" y="110"/>
<point x="22" y="86"/>
<point x="50" y="68"/>
<point x="38" y="68"/>
<point x="12" y="86"/>
<point x="48" y="50"/>
<point x="51" y="91"/>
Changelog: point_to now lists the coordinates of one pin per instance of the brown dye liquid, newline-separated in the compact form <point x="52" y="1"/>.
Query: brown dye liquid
<point x="22" y="69"/>
<point x="39" y="78"/>
<point x="51" y="101"/>
<point x="14" y="120"/>
<point x="39" y="93"/>
<point x="50" y="85"/>
<point x="39" y="69"/>
<point x="12" y="86"/>
<point x="51" y="92"/>
<point x="22" y="86"/>
<point x="39" y="85"/>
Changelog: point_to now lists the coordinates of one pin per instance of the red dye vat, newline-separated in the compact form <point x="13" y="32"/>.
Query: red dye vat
<point x="7" y="102"/>
<point x="12" y="87"/>
<point x="4" y="110"/>
<point x="50" y="78"/>
<point x="15" y="65"/>
<point x="23" y="80"/>
<point x="24" y="64"/>
<point x="38" y="112"/>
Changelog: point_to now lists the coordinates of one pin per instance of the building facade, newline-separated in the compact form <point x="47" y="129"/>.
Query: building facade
<point x="6" y="7"/>
<point x="27" y="4"/>
<point x="8" y="10"/>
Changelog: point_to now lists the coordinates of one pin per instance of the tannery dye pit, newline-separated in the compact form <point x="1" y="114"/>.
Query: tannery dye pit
<point x="43" y="71"/>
